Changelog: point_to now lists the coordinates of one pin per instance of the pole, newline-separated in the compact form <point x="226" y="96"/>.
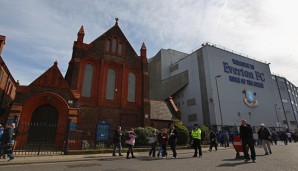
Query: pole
<point x="221" y="122"/>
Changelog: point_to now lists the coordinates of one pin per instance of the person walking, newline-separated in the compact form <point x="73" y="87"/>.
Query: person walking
<point x="221" y="138"/>
<point x="284" y="137"/>
<point x="1" y="131"/>
<point x="289" y="134"/>
<point x="274" y="137"/>
<point x="296" y="136"/>
<point x="255" y="138"/>
<point x="264" y="136"/>
<point x="227" y="140"/>
<point x="164" y="140"/>
<point x="173" y="139"/>
<point x="196" y="140"/>
<point x="159" y="139"/>
<point x="152" y="140"/>
<point x="1" y="142"/>
<point x="130" y="142"/>
<point x="7" y="139"/>
<point x="117" y="141"/>
<point x="213" y="140"/>
<point x="247" y="140"/>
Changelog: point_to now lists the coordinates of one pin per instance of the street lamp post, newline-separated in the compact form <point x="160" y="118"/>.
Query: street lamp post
<point x="277" y="116"/>
<point x="221" y="123"/>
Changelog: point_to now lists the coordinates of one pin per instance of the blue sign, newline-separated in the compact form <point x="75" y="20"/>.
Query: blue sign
<point x="250" y="96"/>
<point x="102" y="131"/>
<point x="247" y="70"/>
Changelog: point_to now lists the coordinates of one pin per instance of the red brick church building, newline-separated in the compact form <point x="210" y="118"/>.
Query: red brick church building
<point x="111" y="80"/>
<point x="106" y="80"/>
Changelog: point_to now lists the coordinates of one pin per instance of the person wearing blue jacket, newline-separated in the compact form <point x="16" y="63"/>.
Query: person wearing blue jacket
<point x="8" y="141"/>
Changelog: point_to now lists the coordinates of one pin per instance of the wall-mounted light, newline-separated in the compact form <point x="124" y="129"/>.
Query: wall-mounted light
<point x="70" y="101"/>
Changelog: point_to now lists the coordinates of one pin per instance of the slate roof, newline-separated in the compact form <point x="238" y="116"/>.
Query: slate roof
<point x="160" y="110"/>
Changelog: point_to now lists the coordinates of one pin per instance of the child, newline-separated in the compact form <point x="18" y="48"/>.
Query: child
<point x="164" y="140"/>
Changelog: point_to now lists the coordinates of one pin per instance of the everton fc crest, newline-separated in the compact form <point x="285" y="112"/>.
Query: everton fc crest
<point x="250" y="98"/>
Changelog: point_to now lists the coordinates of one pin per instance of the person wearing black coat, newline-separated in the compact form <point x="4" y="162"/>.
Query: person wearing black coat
<point x="213" y="140"/>
<point x="247" y="140"/>
<point x="172" y="139"/>
<point x="264" y="136"/>
<point x="117" y="140"/>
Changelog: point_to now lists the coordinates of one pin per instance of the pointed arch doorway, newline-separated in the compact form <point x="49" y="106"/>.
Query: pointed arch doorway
<point x="43" y="124"/>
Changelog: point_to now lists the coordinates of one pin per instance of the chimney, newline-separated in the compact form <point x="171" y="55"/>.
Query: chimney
<point x="2" y="43"/>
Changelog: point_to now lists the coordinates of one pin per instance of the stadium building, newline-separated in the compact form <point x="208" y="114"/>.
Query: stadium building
<point x="215" y="87"/>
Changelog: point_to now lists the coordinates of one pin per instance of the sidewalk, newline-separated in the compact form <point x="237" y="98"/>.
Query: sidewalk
<point x="86" y="157"/>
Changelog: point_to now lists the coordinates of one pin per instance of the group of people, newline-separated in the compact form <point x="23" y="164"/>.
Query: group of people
<point x="285" y="136"/>
<point x="163" y="138"/>
<point x="288" y="136"/>
<point x="169" y="137"/>
<point x="262" y="137"/>
<point x="130" y="141"/>
<point x="7" y="138"/>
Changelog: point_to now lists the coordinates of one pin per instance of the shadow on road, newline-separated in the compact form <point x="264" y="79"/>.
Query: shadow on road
<point x="240" y="159"/>
<point x="233" y="164"/>
<point x="160" y="158"/>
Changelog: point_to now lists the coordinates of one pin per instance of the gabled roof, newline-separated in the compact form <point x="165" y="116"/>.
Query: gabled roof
<point x="51" y="78"/>
<point x="112" y="31"/>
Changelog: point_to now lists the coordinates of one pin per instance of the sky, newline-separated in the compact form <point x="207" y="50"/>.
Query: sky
<point x="40" y="32"/>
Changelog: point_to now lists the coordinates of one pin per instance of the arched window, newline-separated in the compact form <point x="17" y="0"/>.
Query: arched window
<point x="108" y="45"/>
<point x="110" y="89"/>
<point x="114" y="45"/>
<point x="120" y="49"/>
<point x="87" y="81"/>
<point x="131" y="97"/>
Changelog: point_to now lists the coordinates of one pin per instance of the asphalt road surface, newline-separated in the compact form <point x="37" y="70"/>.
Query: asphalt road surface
<point x="283" y="158"/>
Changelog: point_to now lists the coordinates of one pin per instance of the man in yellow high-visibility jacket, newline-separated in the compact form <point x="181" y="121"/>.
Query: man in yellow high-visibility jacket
<point x="196" y="140"/>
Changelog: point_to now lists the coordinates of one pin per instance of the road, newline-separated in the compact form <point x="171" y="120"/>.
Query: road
<point x="283" y="158"/>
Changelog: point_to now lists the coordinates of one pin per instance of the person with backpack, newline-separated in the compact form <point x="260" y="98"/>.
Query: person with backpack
<point x="130" y="142"/>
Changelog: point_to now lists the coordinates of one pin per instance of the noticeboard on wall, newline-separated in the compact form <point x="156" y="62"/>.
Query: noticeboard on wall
<point x="102" y="131"/>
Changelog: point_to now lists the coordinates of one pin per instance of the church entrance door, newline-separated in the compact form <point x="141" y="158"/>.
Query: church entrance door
<point x="43" y="125"/>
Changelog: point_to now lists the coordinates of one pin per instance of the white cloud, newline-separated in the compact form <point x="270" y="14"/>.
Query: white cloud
<point x="43" y="31"/>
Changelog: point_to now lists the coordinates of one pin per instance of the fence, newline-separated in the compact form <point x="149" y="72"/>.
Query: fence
<point x="39" y="139"/>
